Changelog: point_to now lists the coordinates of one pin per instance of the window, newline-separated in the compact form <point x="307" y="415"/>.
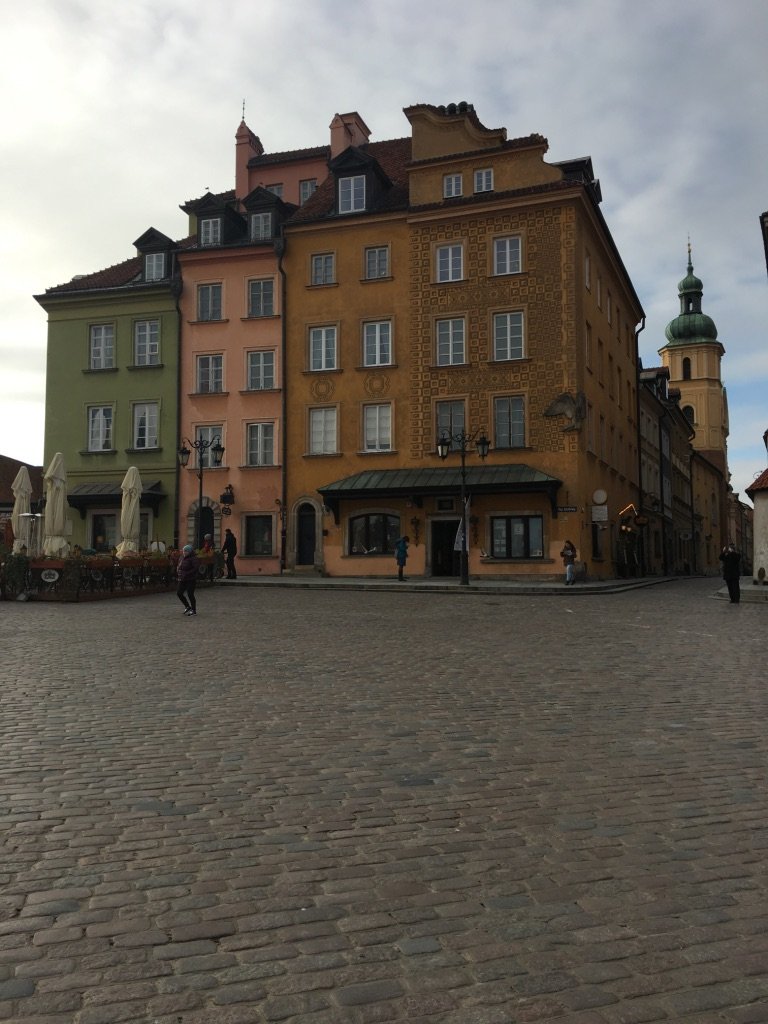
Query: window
<point x="322" y="431"/>
<point x="146" y="343"/>
<point x="377" y="428"/>
<point x="276" y="189"/>
<point x="686" y="368"/>
<point x="102" y="347"/>
<point x="377" y="343"/>
<point x="452" y="186"/>
<point x="323" y="268"/>
<point x="373" y="534"/>
<point x="322" y="348"/>
<point x="590" y="427"/>
<point x="154" y="266"/>
<point x="306" y="188"/>
<point x="484" y="180"/>
<point x="261" y="226"/>
<point x="587" y="271"/>
<point x="450" y="263"/>
<point x="210" y="231"/>
<point x="261" y="371"/>
<point x="509" y="422"/>
<point x="689" y="413"/>
<point x="588" y="345"/>
<point x="620" y="387"/>
<point x="100" y="428"/>
<point x="609" y="308"/>
<point x="599" y="291"/>
<point x="352" y="194"/>
<point x="210" y="371"/>
<point x="145" y="425"/>
<point x="258" y="535"/>
<point x="209" y="302"/>
<point x="508" y="336"/>
<point x="450" y="342"/>
<point x="376" y="262"/>
<point x="517" y="537"/>
<point x="210" y="436"/>
<point x="450" y="419"/>
<point x="507" y="255"/>
<point x="260" y="444"/>
<point x="261" y="297"/>
<point x="610" y="375"/>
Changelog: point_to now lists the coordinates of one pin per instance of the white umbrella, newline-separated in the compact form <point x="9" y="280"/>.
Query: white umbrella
<point x="54" y="541"/>
<point x="20" y="516"/>
<point x="130" y="512"/>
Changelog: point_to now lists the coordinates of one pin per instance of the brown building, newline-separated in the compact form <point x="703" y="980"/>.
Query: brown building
<point x="454" y="284"/>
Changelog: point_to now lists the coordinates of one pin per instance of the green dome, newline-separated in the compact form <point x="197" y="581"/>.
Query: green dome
<point x="691" y="327"/>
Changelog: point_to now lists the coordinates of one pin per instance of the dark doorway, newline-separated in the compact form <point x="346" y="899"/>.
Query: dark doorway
<point x="205" y="524"/>
<point x="306" y="538"/>
<point x="445" y="561"/>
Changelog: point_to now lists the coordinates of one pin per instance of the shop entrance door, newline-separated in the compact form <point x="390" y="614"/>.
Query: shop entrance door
<point x="445" y="561"/>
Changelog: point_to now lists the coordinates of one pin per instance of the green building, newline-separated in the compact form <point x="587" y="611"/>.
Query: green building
<point x="112" y="391"/>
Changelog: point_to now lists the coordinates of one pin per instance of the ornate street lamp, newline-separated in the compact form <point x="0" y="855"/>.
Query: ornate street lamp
<point x="460" y="442"/>
<point x="201" y="446"/>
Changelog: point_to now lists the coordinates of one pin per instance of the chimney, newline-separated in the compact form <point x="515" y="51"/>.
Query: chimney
<point x="247" y="145"/>
<point x="348" y="130"/>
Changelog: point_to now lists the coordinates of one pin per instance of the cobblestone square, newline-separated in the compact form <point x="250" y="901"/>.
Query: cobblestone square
<point x="319" y="806"/>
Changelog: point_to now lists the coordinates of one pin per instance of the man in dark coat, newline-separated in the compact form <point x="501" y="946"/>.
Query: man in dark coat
<point x="229" y="547"/>
<point x="731" y="560"/>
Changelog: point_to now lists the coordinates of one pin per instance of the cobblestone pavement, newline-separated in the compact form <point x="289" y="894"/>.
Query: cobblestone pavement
<point x="327" y="807"/>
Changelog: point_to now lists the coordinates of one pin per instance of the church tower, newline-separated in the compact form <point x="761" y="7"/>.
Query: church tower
<point x="693" y="355"/>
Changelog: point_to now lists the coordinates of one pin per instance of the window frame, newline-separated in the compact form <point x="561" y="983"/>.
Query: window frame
<point x="251" y="371"/>
<point x="509" y="553"/>
<point x="249" y="523"/>
<point x="450" y="419"/>
<point x="380" y="433"/>
<point x="104" y="343"/>
<point x="209" y="231"/>
<point x="352" y="193"/>
<point x="260" y="226"/>
<point x="307" y="188"/>
<point x="483" y="176"/>
<point x="453" y="185"/>
<point x="377" y="343"/>
<point x="376" y="251"/>
<point x="450" y="346"/>
<point x="211" y="373"/>
<point x="505" y="260"/>
<point x="207" y="432"/>
<point x="516" y="433"/>
<point x="506" y="351"/>
<point x="260" y="438"/>
<point x="210" y="305"/>
<point x="318" y="338"/>
<point x="106" y="428"/>
<point x="446" y="258"/>
<point x="322" y="269"/>
<point x="326" y="413"/>
<point x="151" y="356"/>
<point x="151" y="262"/>
<point x="389" y="533"/>
<point x="151" y="411"/>
<point x="258" y="310"/>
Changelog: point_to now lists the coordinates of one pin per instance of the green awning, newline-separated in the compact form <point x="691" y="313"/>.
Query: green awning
<point x="110" y="495"/>
<point x="416" y="484"/>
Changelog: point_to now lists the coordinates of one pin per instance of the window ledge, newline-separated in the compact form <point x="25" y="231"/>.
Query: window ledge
<point x="457" y="280"/>
<point x="140" y="451"/>
<point x="221" y="320"/>
<point x="145" y="366"/>
<point x="323" y="455"/>
<point x="314" y="373"/>
<point x="372" y="280"/>
<point x="324" y="284"/>
<point x="98" y="451"/>
<point x="377" y="451"/>
<point x="260" y="316"/>
<point x="449" y="366"/>
<point x="260" y="391"/>
<point x="505" y="362"/>
<point x="100" y="369"/>
<point x="206" y="394"/>
<point x="271" y="465"/>
<point x="373" y="367"/>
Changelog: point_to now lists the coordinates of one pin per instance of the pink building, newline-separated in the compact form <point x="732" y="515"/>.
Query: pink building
<point x="232" y="345"/>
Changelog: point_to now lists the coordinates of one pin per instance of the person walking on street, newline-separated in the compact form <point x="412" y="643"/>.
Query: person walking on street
<point x="568" y="555"/>
<point x="401" y="556"/>
<point x="186" y="573"/>
<point x="731" y="560"/>
<point x="229" y="547"/>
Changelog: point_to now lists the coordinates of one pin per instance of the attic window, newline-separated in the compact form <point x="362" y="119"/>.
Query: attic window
<point x="154" y="266"/>
<point x="352" y="194"/>
<point x="210" y="231"/>
<point x="261" y="226"/>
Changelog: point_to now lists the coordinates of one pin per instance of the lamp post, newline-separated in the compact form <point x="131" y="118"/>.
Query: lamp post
<point x="201" y="446"/>
<point x="460" y="442"/>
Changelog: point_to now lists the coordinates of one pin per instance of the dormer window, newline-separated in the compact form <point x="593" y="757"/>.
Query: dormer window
<point x="484" y="180"/>
<point x="276" y="189"/>
<point x="154" y="266"/>
<point x="306" y="189"/>
<point x="261" y="226"/>
<point x="210" y="231"/>
<point x="352" y="194"/>
<point x="452" y="186"/>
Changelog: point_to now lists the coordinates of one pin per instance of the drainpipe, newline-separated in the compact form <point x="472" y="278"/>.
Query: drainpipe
<point x="280" y="252"/>
<point x="691" y="457"/>
<point x="638" y="332"/>
<point x="177" y="286"/>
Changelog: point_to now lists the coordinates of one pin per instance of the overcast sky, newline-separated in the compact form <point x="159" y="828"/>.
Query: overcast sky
<point x="114" y="113"/>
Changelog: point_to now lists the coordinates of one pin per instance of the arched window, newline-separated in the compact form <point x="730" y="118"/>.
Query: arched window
<point x="689" y="414"/>
<point x="373" y="534"/>
<point x="686" y="368"/>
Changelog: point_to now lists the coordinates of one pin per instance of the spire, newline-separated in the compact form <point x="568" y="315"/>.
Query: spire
<point x="691" y="326"/>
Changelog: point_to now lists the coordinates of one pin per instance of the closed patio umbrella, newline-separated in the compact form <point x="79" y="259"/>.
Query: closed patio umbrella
<point x="130" y="512"/>
<point x="54" y="541"/>
<point x="20" y="516"/>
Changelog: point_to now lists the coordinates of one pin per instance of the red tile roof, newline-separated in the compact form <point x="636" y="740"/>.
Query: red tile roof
<point x="8" y="469"/>
<point x="118" y="276"/>
<point x="761" y="484"/>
